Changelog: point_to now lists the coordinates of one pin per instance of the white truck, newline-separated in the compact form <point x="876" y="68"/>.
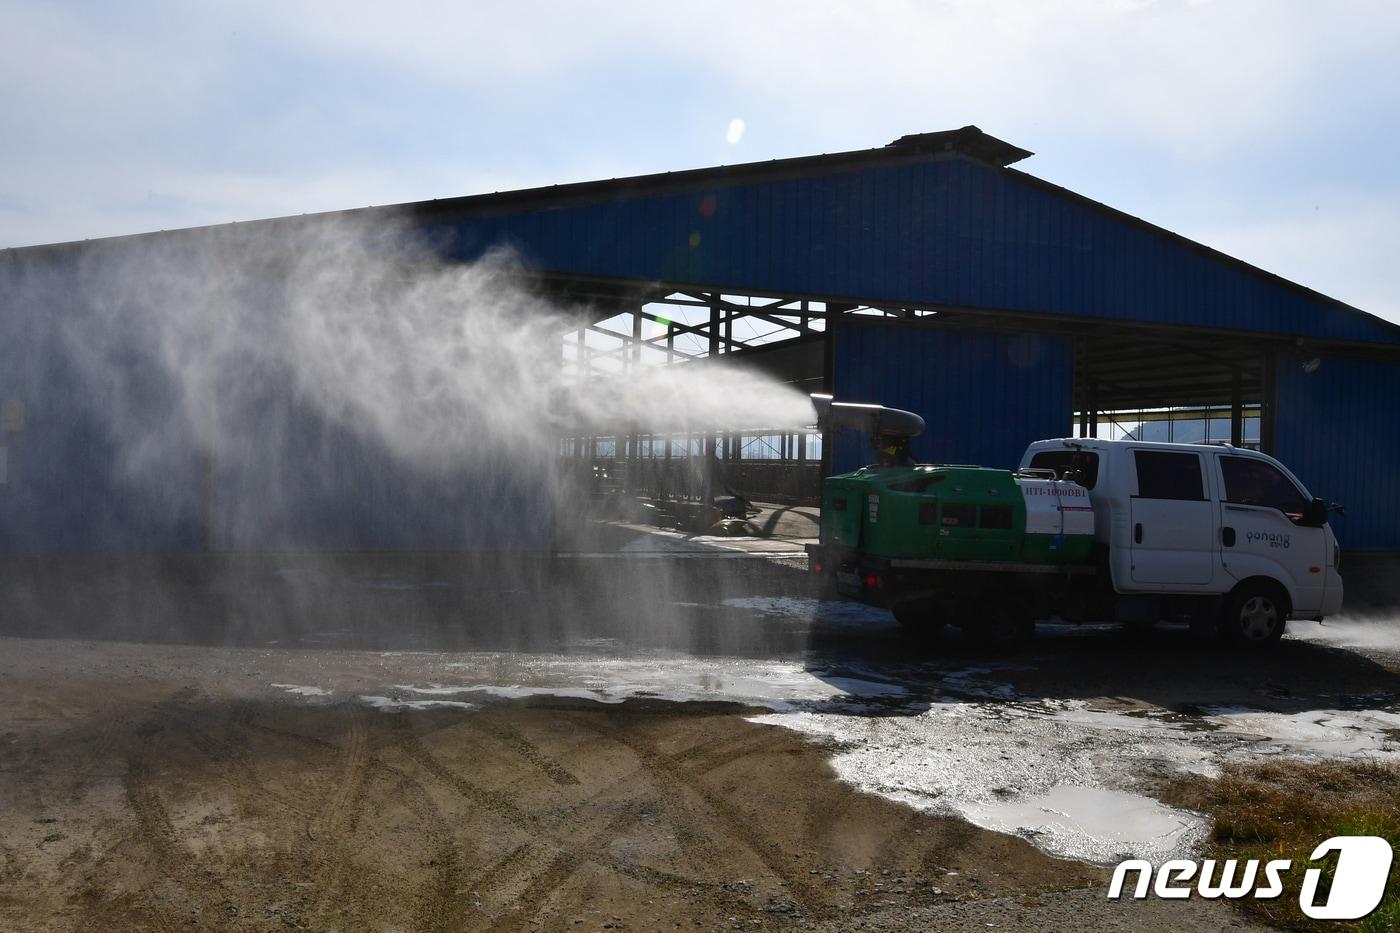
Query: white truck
<point x="1213" y="523"/>
<point x="1086" y="530"/>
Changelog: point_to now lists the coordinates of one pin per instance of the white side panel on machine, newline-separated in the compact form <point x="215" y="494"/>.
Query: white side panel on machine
<point x="1043" y="516"/>
<point x="1076" y="511"/>
<point x="1056" y="507"/>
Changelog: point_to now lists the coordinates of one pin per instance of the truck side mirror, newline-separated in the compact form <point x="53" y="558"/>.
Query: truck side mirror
<point x="1315" y="515"/>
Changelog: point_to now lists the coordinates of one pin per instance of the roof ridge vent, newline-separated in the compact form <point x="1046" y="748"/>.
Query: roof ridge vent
<point x="969" y="141"/>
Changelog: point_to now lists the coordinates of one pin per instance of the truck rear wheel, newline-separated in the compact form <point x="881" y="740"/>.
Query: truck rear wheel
<point x="920" y="619"/>
<point x="1254" y="615"/>
<point x="1001" y="624"/>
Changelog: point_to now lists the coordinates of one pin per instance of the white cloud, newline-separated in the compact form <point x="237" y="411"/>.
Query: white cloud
<point x="1197" y="76"/>
<point x="158" y="116"/>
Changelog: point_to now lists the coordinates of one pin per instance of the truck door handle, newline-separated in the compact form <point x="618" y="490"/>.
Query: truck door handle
<point x="1137" y="533"/>
<point x="1227" y="536"/>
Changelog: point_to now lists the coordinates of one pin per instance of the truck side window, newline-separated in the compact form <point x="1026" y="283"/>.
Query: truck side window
<point x="1254" y="482"/>
<point x="1082" y="466"/>
<point x="1169" y="475"/>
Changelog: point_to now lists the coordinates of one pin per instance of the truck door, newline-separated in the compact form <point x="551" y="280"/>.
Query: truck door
<point x="1259" y="535"/>
<point x="1173" y="520"/>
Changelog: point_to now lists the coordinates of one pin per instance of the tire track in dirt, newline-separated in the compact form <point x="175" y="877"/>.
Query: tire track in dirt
<point x="490" y="800"/>
<point x="737" y="825"/>
<point x="332" y="827"/>
<point x="563" y="866"/>
<point x="157" y="833"/>
<point x="11" y="868"/>
<point x="546" y="860"/>
<point x="338" y="814"/>
<point x="527" y="856"/>
<point x="237" y="769"/>
<point x="715" y="757"/>
<point x="440" y="901"/>
<point x="572" y="855"/>
<point x="516" y="741"/>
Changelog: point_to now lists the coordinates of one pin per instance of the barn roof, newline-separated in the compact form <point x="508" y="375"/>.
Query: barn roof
<point x="932" y="220"/>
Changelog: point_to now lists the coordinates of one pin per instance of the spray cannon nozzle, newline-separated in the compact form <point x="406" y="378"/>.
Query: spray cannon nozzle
<point x="876" y="420"/>
<point x="889" y="428"/>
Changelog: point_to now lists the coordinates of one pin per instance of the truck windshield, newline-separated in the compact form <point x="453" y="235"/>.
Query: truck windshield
<point x="1082" y="466"/>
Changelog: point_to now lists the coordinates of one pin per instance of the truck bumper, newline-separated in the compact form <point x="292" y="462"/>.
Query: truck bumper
<point x="849" y="575"/>
<point x="1332" y="599"/>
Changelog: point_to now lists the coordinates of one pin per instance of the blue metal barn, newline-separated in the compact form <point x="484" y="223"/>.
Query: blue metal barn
<point x="926" y="274"/>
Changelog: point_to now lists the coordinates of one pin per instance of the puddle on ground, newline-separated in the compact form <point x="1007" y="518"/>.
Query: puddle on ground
<point x="1092" y="823"/>
<point x="823" y="611"/>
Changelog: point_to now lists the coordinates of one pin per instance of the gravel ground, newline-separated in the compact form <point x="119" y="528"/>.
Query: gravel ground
<point x="294" y="751"/>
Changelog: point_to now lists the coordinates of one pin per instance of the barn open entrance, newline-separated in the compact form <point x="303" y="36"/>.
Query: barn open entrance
<point x="1183" y="390"/>
<point x="620" y="327"/>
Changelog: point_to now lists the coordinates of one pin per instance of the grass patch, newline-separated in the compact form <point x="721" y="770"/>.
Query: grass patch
<point x="1284" y="809"/>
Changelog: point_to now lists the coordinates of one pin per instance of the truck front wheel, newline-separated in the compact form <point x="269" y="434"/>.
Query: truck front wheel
<point x="1254" y="615"/>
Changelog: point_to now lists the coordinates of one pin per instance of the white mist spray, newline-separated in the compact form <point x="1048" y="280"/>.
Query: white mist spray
<point x="303" y="365"/>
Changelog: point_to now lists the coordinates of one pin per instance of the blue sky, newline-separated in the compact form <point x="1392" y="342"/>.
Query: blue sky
<point x="1268" y="130"/>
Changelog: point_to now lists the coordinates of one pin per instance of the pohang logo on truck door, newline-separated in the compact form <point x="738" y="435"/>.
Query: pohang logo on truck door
<point x="1358" y="883"/>
<point x="1274" y="539"/>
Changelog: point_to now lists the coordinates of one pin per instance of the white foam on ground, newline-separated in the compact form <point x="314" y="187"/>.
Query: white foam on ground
<point x="392" y="705"/>
<point x="1323" y="733"/>
<point x="774" y="684"/>
<point x="1052" y="772"/>
<point x="301" y="690"/>
<point x="1065" y="776"/>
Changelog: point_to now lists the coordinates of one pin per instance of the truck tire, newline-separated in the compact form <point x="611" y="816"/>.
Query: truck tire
<point x="921" y="620"/>
<point x="1254" y="616"/>
<point x="1001" y="624"/>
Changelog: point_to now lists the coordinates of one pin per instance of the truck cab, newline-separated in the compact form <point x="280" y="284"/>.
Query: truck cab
<point x="1217" y="522"/>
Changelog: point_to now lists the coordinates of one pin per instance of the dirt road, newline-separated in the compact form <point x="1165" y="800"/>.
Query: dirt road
<point x="164" y="807"/>
<point x="168" y="788"/>
<point x="431" y="767"/>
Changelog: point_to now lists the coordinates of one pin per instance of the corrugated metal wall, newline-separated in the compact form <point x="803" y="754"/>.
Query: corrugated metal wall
<point x="983" y="397"/>
<point x="949" y="231"/>
<point x="1338" y="429"/>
